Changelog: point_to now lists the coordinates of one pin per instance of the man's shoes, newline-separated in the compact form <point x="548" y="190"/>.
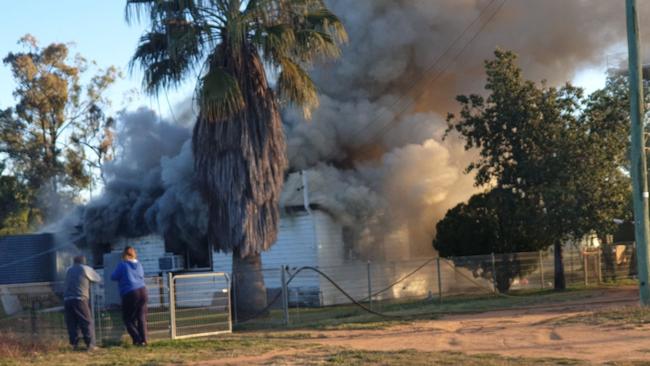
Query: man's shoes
<point x="92" y="348"/>
<point x="141" y="344"/>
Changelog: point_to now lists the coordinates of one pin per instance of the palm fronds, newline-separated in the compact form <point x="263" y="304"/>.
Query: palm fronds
<point x="238" y="141"/>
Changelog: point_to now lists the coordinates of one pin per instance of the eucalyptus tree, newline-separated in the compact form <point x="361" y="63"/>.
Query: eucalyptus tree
<point x="234" y="49"/>
<point x="56" y="103"/>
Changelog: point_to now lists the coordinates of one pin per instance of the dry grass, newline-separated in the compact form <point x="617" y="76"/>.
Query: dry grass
<point x="339" y="357"/>
<point x="158" y="353"/>
<point x="350" y="317"/>
<point x="13" y="347"/>
<point x="624" y="316"/>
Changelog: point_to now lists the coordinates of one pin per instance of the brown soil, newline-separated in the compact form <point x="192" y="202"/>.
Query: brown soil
<point x="248" y="360"/>
<point x="523" y="332"/>
<point x="528" y="332"/>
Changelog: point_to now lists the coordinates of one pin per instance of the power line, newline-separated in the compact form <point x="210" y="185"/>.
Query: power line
<point x="415" y="80"/>
<point x="410" y="103"/>
<point x="171" y="111"/>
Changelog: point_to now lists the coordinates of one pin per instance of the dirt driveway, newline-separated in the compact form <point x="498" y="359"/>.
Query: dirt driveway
<point x="529" y="332"/>
<point x="534" y="331"/>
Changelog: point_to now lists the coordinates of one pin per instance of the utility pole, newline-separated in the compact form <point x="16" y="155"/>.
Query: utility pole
<point x="638" y="168"/>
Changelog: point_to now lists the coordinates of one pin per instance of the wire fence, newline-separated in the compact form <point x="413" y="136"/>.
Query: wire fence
<point x="186" y="305"/>
<point x="311" y="298"/>
<point x="193" y="305"/>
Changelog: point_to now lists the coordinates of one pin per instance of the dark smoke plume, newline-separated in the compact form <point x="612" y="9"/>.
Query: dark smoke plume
<point x="151" y="187"/>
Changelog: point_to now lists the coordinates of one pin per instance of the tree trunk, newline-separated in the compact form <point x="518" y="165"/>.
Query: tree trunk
<point x="608" y="252"/>
<point x="632" y="271"/>
<point x="560" y="282"/>
<point x="249" y="288"/>
<point x="508" y="268"/>
<point x="503" y="278"/>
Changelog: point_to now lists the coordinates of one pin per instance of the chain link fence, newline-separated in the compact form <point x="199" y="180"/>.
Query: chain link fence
<point x="303" y="297"/>
<point x="193" y="305"/>
<point x="186" y="305"/>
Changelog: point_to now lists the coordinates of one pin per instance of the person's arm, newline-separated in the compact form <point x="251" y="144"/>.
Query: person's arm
<point x="92" y="275"/>
<point x="117" y="273"/>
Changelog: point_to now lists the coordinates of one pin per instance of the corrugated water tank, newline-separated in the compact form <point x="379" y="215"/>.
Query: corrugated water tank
<point x="33" y="258"/>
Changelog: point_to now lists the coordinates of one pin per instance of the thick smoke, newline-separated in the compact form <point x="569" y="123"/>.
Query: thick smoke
<point x="150" y="187"/>
<point x="374" y="150"/>
<point x="379" y="127"/>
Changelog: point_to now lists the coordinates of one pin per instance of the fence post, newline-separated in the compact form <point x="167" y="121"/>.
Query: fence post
<point x="172" y="305"/>
<point x="439" y="280"/>
<point x="285" y="298"/>
<point x="541" y="269"/>
<point x="229" y="281"/>
<point x="494" y="273"/>
<point x="93" y="312"/>
<point x="369" y="286"/>
<point x="570" y="265"/>
<point x="599" y="266"/>
<point x="233" y="295"/>
<point x="32" y="318"/>
<point x="585" y="269"/>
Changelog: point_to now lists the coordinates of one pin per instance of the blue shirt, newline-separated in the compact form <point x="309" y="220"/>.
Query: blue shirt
<point x="129" y="276"/>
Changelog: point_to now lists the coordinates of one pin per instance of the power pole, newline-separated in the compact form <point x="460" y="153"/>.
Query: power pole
<point x="638" y="168"/>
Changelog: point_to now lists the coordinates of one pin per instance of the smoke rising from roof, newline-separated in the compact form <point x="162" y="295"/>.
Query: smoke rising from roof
<point x="380" y="122"/>
<point x="150" y="187"/>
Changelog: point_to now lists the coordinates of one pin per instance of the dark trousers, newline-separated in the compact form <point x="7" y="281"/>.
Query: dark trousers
<point x="134" y="314"/>
<point x="78" y="316"/>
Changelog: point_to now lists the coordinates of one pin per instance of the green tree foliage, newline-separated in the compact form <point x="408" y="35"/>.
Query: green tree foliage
<point x="14" y="210"/>
<point x="559" y="149"/>
<point x="46" y="135"/>
<point x="238" y="141"/>
<point x="498" y="221"/>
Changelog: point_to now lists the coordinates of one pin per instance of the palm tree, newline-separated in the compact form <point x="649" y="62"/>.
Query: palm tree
<point x="238" y="141"/>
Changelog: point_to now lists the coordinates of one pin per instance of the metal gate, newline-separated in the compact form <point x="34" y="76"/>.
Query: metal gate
<point x="199" y="304"/>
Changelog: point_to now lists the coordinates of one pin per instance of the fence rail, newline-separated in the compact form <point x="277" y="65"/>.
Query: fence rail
<point x="199" y="304"/>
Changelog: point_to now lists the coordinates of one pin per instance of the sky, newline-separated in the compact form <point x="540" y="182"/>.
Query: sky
<point x="99" y="31"/>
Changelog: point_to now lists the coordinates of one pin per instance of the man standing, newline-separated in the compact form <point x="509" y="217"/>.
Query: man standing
<point x="76" y="302"/>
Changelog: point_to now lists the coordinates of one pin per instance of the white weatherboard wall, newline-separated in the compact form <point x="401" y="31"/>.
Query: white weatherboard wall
<point x="296" y="247"/>
<point x="149" y="249"/>
<point x="312" y="239"/>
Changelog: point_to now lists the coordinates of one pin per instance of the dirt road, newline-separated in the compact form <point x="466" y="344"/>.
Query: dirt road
<point x="534" y="331"/>
<point x="529" y="332"/>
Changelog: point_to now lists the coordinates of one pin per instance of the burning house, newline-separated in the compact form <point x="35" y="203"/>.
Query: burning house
<point x="379" y="172"/>
<point x="309" y="235"/>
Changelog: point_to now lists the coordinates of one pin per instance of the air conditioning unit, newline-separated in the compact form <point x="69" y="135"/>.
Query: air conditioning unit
<point x="171" y="262"/>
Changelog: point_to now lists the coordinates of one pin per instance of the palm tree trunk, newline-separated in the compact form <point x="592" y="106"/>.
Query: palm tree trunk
<point x="249" y="288"/>
<point x="560" y="282"/>
<point x="240" y="164"/>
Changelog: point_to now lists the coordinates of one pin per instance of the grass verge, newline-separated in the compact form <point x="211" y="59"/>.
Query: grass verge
<point x="351" y="317"/>
<point x="14" y="347"/>
<point x="158" y="353"/>
<point x="253" y="350"/>
<point x="412" y="358"/>
<point x="626" y="316"/>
